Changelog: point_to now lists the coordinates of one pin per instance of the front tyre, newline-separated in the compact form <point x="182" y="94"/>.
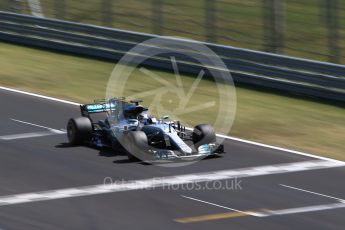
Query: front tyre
<point x="136" y="145"/>
<point x="79" y="130"/>
<point x="203" y="134"/>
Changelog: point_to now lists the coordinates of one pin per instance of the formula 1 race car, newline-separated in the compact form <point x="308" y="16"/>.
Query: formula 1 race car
<point x="128" y="125"/>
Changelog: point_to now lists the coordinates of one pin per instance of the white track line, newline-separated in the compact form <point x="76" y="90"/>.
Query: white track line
<point x="29" y="135"/>
<point x="38" y="95"/>
<point x="277" y="148"/>
<point x="221" y="206"/>
<point x="166" y="182"/>
<point x="311" y="192"/>
<point x="219" y="135"/>
<point x="305" y="209"/>
<point x="40" y="126"/>
<point x="50" y="131"/>
<point x="268" y="213"/>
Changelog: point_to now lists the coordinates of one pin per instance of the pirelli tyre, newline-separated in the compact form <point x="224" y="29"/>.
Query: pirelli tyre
<point x="136" y="146"/>
<point x="203" y="134"/>
<point x="79" y="130"/>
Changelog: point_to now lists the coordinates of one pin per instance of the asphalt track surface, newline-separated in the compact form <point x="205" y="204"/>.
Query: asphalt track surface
<point x="302" y="198"/>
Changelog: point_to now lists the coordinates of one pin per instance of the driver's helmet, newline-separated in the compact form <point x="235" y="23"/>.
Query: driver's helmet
<point x="143" y="117"/>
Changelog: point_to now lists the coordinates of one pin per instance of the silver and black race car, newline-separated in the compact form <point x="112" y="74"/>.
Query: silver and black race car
<point x="129" y="125"/>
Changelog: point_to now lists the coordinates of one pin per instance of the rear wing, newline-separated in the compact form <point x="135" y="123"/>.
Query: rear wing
<point x="102" y="107"/>
<point x="105" y="106"/>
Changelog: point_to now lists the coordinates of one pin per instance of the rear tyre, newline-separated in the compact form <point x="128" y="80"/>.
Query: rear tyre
<point x="79" y="130"/>
<point x="137" y="145"/>
<point x="203" y="134"/>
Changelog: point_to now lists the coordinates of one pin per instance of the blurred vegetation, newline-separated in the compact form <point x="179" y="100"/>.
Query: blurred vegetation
<point x="235" y="22"/>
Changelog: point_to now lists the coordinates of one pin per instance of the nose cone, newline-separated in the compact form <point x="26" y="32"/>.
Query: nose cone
<point x="180" y="143"/>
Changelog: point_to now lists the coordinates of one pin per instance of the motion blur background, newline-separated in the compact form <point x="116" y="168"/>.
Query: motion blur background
<point x="310" y="29"/>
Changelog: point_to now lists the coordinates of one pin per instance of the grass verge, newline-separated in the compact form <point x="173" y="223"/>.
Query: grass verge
<point x="261" y="116"/>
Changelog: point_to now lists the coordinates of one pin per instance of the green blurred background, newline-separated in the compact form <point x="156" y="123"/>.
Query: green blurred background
<point x="304" y="28"/>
